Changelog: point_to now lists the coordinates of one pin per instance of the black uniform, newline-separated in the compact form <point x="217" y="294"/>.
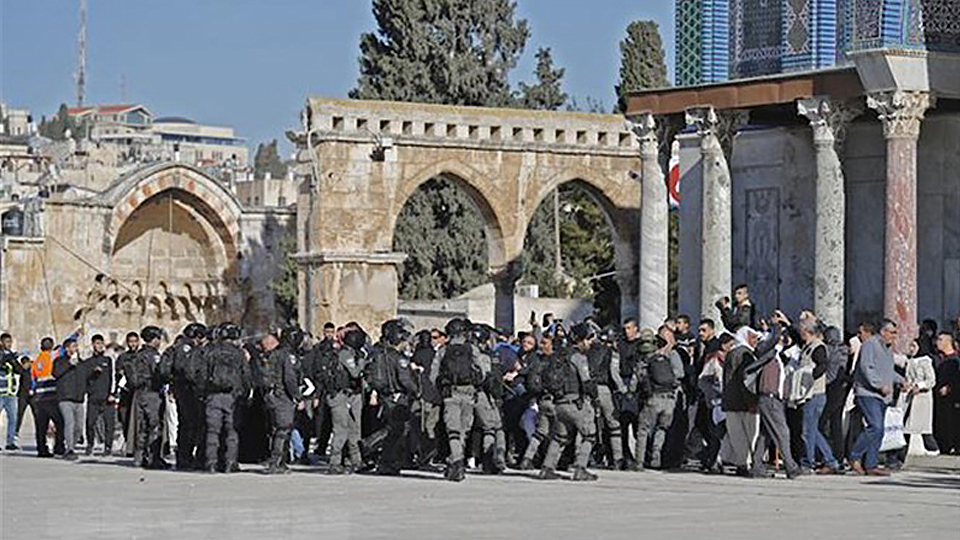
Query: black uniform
<point x="228" y="378"/>
<point x="180" y="365"/>
<point x="101" y="399"/>
<point x="282" y="392"/>
<point x="391" y="378"/>
<point x="125" y="409"/>
<point x="144" y="378"/>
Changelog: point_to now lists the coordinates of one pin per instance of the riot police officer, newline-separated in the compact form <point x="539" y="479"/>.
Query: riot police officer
<point x="605" y="370"/>
<point x="341" y="377"/>
<point x="457" y="374"/>
<point x="228" y="379"/>
<point x="487" y="411"/>
<point x="180" y="361"/>
<point x="144" y="377"/>
<point x="282" y="393"/>
<point x="391" y="379"/>
<point x="569" y="381"/>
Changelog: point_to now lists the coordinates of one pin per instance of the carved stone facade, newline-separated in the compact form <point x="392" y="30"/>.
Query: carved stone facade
<point x="165" y="245"/>
<point x="367" y="158"/>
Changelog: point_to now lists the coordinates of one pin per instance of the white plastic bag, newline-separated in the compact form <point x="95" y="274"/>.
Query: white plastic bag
<point x="893" y="430"/>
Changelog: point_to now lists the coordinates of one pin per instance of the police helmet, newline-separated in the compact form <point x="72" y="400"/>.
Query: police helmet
<point x="393" y="332"/>
<point x="150" y="333"/>
<point x="355" y="338"/>
<point x="195" y="330"/>
<point x="580" y="332"/>
<point x="230" y="331"/>
<point x="292" y="337"/>
<point x="481" y="333"/>
<point x="457" y="327"/>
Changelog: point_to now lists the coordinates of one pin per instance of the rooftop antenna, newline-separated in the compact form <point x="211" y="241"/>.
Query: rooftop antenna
<point x="82" y="55"/>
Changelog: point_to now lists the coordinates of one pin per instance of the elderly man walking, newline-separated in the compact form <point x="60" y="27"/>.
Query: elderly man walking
<point x="873" y="385"/>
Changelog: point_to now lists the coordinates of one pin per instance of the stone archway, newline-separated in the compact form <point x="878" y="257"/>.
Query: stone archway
<point x="362" y="159"/>
<point x="171" y="247"/>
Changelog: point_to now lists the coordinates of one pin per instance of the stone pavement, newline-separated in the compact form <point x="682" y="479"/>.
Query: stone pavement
<point x="107" y="498"/>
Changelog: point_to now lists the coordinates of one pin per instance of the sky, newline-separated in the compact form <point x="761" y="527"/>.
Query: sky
<point x="250" y="64"/>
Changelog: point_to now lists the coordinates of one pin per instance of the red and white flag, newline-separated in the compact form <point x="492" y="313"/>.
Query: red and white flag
<point x="673" y="177"/>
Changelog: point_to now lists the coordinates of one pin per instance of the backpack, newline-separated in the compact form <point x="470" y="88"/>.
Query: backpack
<point x="139" y="371"/>
<point x="662" y="377"/>
<point x="224" y="370"/>
<point x="560" y="377"/>
<point x="457" y="368"/>
<point x="331" y="375"/>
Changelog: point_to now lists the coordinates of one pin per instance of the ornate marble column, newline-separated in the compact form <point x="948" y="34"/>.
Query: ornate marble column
<point x="716" y="221"/>
<point x="827" y="118"/>
<point x="654" y="218"/>
<point x="901" y="112"/>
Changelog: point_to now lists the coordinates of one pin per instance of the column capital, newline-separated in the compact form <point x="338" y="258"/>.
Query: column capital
<point x="900" y="111"/>
<point x="644" y="126"/>
<point x="703" y="118"/>
<point x="829" y="117"/>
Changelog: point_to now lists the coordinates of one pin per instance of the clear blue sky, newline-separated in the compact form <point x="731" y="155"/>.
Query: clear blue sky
<point x="251" y="63"/>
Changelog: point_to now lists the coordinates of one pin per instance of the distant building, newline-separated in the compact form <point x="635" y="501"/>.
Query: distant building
<point x="16" y="122"/>
<point x="139" y="136"/>
<point x="266" y="191"/>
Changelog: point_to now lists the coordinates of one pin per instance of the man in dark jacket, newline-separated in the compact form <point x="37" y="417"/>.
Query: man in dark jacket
<point x="228" y="378"/>
<point x="281" y="383"/>
<point x="427" y="406"/>
<point x="71" y="387"/>
<point x="742" y="313"/>
<point x="143" y="377"/>
<point x="101" y="395"/>
<point x="391" y="378"/>
<point x="739" y="404"/>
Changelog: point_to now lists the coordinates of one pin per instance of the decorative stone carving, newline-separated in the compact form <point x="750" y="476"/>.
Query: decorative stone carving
<point x="654" y="217"/>
<point x="900" y="111"/>
<point x="716" y="219"/>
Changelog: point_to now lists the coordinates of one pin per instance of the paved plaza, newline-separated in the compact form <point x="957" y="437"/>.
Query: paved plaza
<point x="106" y="498"/>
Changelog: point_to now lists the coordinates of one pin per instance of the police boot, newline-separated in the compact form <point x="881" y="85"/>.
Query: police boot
<point x="547" y="473"/>
<point x="526" y="464"/>
<point x="461" y="473"/>
<point x="232" y="468"/>
<point x="581" y="474"/>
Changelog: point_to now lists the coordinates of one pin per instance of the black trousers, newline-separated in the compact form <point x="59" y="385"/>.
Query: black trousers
<point x="397" y="419"/>
<point x="47" y="410"/>
<point x="220" y="421"/>
<point x="95" y="410"/>
<point x="148" y="407"/>
<point x="23" y="401"/>
<point x="191" y="424"/>
<point x="281" y="410"/>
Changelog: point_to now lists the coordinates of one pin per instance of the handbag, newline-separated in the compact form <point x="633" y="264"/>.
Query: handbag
<point x="893" y="438"/>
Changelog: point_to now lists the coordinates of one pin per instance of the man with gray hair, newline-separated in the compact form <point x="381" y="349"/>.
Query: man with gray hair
<point x="873" y="384"/>
<point x="814" y="356"/>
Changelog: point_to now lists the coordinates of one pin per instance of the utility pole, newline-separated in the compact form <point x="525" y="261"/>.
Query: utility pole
<point x="81" y="76"/>
<point x="558" y="261"/>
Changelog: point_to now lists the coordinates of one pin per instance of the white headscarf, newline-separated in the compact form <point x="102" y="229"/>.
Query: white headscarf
<point x="743" y="335"/>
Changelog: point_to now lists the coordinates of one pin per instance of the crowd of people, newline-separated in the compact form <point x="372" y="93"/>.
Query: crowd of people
<point x="745" y="395"/>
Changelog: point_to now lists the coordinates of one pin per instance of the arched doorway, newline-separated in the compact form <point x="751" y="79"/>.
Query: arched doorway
<point x="172" y="256"/>
<point x="573" y="222"/>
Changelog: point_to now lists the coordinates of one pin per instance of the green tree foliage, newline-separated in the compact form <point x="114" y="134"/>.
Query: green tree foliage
<point x="586" y="251"/>
<point x="642" y="62"/>
<point x="267" y="160"/>
<point x="56" y="128"/>
<point x="437" y="229"/>
<point x="284" y="286"/>
<point x="548" y="93"/>
<point x="457" y="52"/>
